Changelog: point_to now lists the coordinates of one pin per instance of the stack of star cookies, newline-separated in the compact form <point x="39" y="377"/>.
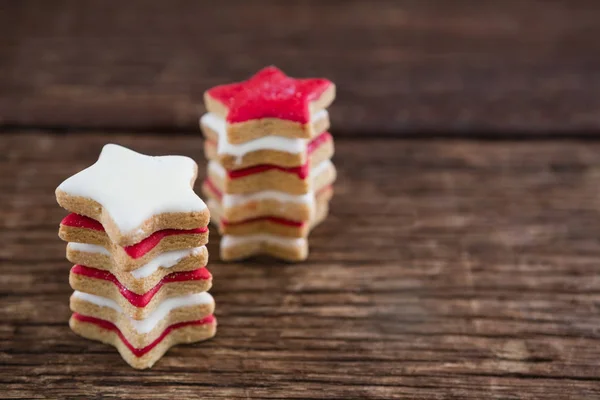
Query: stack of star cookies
<point x="269" y="173"/>
<point x="137" y="235"/>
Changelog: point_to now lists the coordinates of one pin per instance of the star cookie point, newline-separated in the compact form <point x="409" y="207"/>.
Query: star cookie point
<point x="271" y="94"/>
<point x="133" y="194"/>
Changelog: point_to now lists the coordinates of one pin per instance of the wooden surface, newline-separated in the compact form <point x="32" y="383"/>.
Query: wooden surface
<point x="402" y="67"/>
<point x="447" y="269"/>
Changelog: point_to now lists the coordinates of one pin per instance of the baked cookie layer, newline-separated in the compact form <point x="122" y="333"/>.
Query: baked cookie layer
<point x="133" y="195"/>
<point x="284" y="248"/>
<point x="237" y="247"/>
<point x="295" y="181"/>
<point x="270" y="103"/>
<point x="141" y="333"/>
<point x="147" y="276"/>
<point x="141" y="358"/>
<point x="138" y="306"/>
<point x="268" y="224"/>
<point x="80" y="229"/>
<point x="236" y="208"/>
<point x="273" y="150"/>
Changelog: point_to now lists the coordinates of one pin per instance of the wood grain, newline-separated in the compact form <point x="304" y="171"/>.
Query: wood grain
<point x="402" y="67"/>
<point x="447" y="269"/>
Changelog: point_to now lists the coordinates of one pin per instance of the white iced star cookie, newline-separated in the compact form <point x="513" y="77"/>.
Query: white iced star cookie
<point x="133" y="195"/>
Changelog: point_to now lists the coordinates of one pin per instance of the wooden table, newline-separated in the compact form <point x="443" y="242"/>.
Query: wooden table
<point x="460" y="259"/>
<point x="447" y="268"/>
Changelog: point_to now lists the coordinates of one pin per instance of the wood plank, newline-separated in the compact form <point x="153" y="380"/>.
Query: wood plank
<point x="447" y="269"/>
<point x="402" y="67"/>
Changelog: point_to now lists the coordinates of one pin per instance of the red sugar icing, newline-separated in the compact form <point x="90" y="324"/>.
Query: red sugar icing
<point x="270" y="94"/>
<point x="140" y="249"/>
<point x="213" y="188"/>
<point x="80" y="221"/>
<point x="277" y="220"/>
<point x="318" y="141"/>
<point x="136" y="250"/>
<point x="141" y="300"/>
<point x="302" y="171"/>
<point x="140" y="352"/>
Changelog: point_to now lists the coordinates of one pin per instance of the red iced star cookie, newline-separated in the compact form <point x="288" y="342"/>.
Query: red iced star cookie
<point x="271" y="103"/>
<point x="269" y="94"/>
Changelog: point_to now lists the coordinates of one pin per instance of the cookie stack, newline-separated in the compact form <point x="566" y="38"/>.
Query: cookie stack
<point x="269" y="173"/>
<point x="137" y="235"/>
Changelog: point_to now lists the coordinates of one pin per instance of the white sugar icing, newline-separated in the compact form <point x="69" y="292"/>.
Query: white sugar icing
<point x="147" y="324"/>
<point x="98" y="300"/>
<point x="88" y="248"/>
<point x="232" y="200"/>
<point x="320" y="168"/>
<point x="216" y="168"/>
<point x="133" y="187"/>
<point x="164" y="308"/>
<point x="165" y="260"/>
<point x="271" y="142"/>
<point x="230" y="240"/>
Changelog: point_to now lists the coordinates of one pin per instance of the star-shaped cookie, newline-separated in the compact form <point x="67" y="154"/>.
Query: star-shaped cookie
<point x="270" y="103"/>
<point x="133" y="195"/>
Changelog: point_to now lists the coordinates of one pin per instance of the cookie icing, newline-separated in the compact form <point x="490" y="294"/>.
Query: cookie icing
<point x="139" y="352"/>
<point x="302" y="172"/>
<point x="275" y="220"/>
<point x="272" y="142"/>
<point x="141" y="300"/>
<point x="215" y="167"/>
<point x="133" y="187"/>
<point x="233" y="200"/>
<point x="162" y="310"/>
<point x="270" y="94"/>
<point x="136" y="250"/>
<point x="231" y="241"/>
<point x="320" y="168"/>
<point x="88" y="248"/>
<point x="165" y="260"/>
<point x="98" y="300"/>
